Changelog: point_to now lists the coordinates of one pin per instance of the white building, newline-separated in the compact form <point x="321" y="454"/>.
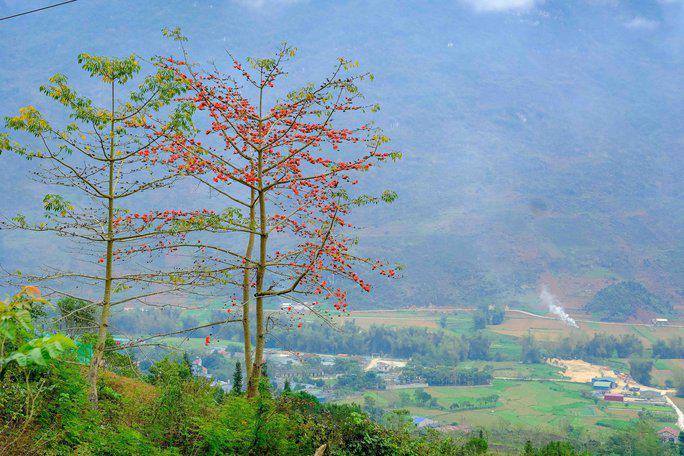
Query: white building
<point x="293" y="307"/>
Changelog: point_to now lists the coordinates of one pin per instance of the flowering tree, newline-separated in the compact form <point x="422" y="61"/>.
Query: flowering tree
<point x="286" y="168"/>
<point x="97" y="159"/>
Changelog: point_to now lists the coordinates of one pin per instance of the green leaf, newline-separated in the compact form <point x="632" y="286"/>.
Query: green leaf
<point x="36" y="355"/>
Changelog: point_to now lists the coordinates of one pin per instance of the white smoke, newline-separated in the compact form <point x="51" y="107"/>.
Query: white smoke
<point x="555" y="308"/>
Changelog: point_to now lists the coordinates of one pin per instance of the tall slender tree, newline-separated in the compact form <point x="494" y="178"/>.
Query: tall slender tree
<point x="96" y="159"/>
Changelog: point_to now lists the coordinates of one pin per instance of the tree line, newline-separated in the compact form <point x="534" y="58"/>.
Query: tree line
<point x="600" y="345"/>
<point x="672" y="348"/>
<point x="442" y="375"/>
<point x="387" y="341"/>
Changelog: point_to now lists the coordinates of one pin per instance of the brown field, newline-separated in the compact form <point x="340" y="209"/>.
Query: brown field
<point x="398" y="318"/>
<point x="518" y="325"/>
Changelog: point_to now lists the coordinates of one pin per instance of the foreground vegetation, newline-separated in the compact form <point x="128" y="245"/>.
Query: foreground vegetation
<point x="45" y="408"/>
<point x="172" y="413"/>
<point x="167" y="411"/>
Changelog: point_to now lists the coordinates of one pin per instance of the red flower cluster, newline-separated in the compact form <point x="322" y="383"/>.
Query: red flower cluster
<point x="293" y="155"/>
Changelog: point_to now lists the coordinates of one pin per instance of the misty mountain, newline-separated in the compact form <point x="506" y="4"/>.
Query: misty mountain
<point x="541" y="143"/>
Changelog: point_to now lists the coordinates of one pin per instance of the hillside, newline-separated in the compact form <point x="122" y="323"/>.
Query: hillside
<point x="178" y="414"/>
<point x="624" y="300"/>
<point x="549" y="148"/>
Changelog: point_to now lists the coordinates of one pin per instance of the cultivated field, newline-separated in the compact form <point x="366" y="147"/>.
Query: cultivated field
<point x="518" y="325"/>
<point x="543" y="405"/>
<point x="396" y="318"/>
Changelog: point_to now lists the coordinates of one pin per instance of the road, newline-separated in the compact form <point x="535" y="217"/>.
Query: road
<point x="546" y="317"/>
<point x="522" y="312"/>
<point x="678" y="411"/>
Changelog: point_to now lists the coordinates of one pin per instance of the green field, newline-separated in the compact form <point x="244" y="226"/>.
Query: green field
<point x="197" y="343"/>
<point x="396" y="318"/>
<point x="542" y="405"/>
<point x="516" y="369"/>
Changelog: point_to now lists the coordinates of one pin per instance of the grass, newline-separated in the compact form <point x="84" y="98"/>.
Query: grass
<point x="515" y="369"/>
<point x="614" y="424"/>
<point x="197" y="343"/>
<point x="618" y="364"/>
<point x="628" y="406"/>
<point x="505" y="346"/>
<point x="458" y="322"/>
<point x="544" y="329"/>
<point x="661" y="364"/>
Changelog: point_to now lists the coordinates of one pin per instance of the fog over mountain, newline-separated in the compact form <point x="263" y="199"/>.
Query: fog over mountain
<point x="542" y="140"/>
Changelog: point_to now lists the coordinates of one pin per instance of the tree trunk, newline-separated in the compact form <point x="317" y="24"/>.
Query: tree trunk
<point x="98" y="353"/>
<point x="255" y="374"/>
<point x="247" y="289"/>
<point x="253" y="386"/>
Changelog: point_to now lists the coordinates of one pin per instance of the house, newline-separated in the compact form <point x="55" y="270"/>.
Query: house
<point x="667" y="434"/>
<point x="611" y="380"/>
<point x="461" y="428"/>
<point x="383" y="367"/>
<point x="197" y="369"/>
<point x="225" y="386"/>
<point x="290" y="307"/>
<point x="650" y="394"/>
<point x="614" y="397"/>
<point x="659" y="321"/>
<point x="421" y="422"/>
<point x="602" y="385"/>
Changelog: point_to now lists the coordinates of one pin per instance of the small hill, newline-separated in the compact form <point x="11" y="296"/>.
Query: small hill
<point x="624" y="300"/>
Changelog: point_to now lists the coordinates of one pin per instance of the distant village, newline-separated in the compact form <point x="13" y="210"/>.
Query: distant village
<point x="320" y="370"/>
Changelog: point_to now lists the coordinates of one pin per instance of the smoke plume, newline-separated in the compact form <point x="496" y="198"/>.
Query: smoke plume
<point x="555" y="308"/>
